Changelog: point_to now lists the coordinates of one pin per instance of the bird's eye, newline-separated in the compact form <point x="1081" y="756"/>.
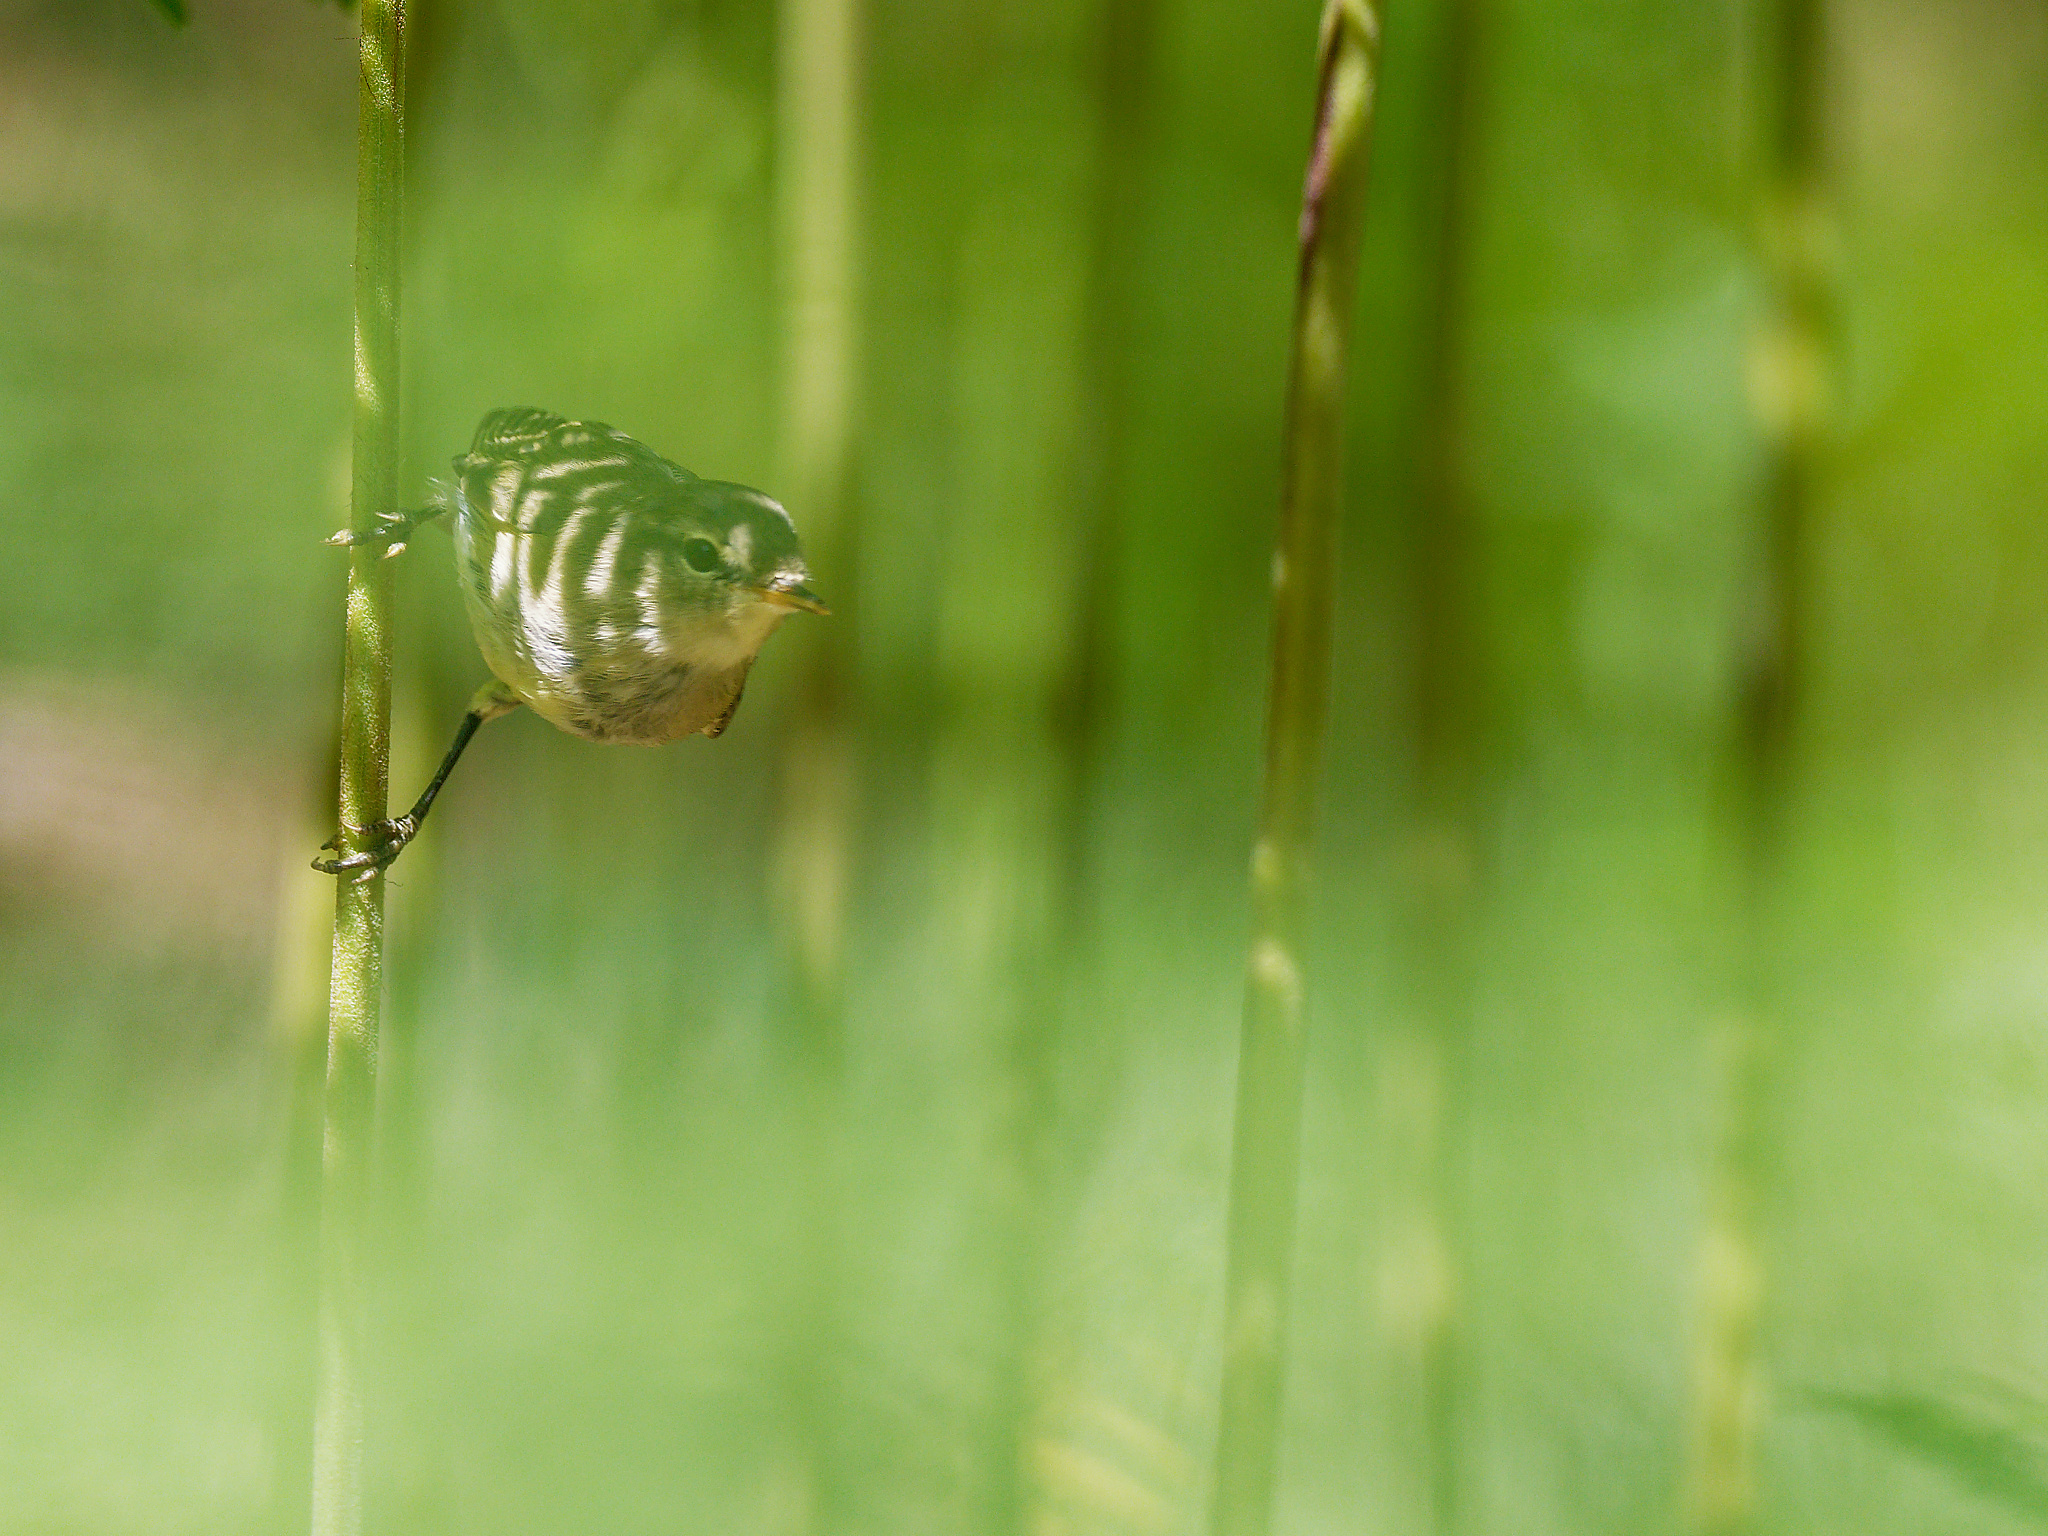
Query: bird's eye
<point x="702" y="555"/>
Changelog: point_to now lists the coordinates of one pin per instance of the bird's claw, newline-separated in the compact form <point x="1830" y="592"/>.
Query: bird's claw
<point x="385" y="840"/>
<point x="393" y="529"/>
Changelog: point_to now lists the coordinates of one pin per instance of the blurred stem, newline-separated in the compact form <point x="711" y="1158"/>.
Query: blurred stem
<point x="1266" y="1155"/>
<point x="298" y="1013"/>
<point x="1009" y="628"/>
<point x="1790" y="369"/>
<point x="358" y="963"/>
<point x="817" y="118"/>
<point x="1049" y="1138"/>
<point x="1446" y="854"/>
<point x="1122" y="67"/>
<point x="1790" y="384"/>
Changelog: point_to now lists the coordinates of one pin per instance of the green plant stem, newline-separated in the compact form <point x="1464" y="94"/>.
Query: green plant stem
<point x="1009" y="628"/>
<point x="817" y="209"/>
<point x="1791" y="368"/>
<point x="1122" y="44"/>
<point x="818" y="124"/>
<point x="358" y="964"/>
<point x="1790" y="376"/>
<point x="1266" y="1154"/>
<point x="1446" y="856"/>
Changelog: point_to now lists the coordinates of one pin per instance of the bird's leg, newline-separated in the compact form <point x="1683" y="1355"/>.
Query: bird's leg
<point x="387" y="839"/>
<point x="392" y="530"/>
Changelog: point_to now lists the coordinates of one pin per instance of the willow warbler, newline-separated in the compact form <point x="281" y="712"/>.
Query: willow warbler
<point x="611" y="592"/>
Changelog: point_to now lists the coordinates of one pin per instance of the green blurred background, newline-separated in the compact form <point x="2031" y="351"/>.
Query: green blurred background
<point x="677" y="1243"/>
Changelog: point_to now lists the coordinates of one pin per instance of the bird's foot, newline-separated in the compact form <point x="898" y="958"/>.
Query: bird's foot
<point x="393" y="529"/>
<point x="385" y="840"/>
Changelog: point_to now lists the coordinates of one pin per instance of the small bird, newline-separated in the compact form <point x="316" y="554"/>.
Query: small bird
<point x="612" y="592"/>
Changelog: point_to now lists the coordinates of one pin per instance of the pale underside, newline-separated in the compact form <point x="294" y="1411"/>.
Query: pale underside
<point x="637" y="670"/>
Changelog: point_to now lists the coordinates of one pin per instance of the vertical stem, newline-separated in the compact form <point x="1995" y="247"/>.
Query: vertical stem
<point x="1046" y="1137"/>
<point x="1269" y="1096"/>
<point x="816" y="87"/>
<point x="1790" y="378"/>
<point x="1123" y="44"/>
<point x="1445" y="855"/>
<point x="1790" y="368"/>
<point x="1058" y="1045"/>
<point x="817" y="116"/>
<point x="357" y="975"/>
<point x="1014" y="586"/>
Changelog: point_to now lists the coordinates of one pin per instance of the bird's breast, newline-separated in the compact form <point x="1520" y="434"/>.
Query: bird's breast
<point x="590" y="638"/>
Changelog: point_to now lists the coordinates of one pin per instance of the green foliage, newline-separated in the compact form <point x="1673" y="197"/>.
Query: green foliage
<point x="1981" y="1447"/>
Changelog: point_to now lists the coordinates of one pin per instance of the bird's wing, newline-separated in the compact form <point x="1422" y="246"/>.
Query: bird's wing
<point x="535" y="438"/>
<point x="527" y="470"/>
<point x="739" y="686"/>
<point x="513" y="433"/>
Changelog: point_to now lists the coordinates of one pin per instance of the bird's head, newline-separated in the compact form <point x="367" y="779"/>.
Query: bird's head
<point x="736" y="552"/>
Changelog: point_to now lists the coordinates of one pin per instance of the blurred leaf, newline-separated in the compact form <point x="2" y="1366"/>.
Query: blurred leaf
<point x="174" y="11"/>
<point x="1987" y="1454"/>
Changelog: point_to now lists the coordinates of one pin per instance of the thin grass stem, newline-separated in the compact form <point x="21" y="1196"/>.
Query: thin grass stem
<point x="1791" y="367"/>
<point x="818" y="211"/>
<point x="1266" y="1155"/>
<point x="1002" y="773"/>
<point x="1446" y="857"/>
<point x="357" y="976"/>
<point x="817" y="165"/>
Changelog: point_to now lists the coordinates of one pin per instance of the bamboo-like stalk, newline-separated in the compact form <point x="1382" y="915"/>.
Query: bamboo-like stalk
<point x="358" y="965"/>
<point x="1267" y="1151"/>
<point x="817" y="115"/>
<point x="1123" y="46"/>
<point x="818" y="118"/>
<point x="1002" y="769"/>
<point x="1446" y="855"/>
<point x="1791" y="367"/>
<point x="1048" y="1133"/>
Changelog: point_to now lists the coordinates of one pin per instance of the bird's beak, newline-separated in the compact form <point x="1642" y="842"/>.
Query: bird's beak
<point x="792" y="594"/>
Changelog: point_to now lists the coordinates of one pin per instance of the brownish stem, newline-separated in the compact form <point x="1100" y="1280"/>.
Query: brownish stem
<point x="1266" y="1153"/>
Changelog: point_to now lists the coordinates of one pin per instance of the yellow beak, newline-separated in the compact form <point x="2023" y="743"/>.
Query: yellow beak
<point x="791" y="597"/>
